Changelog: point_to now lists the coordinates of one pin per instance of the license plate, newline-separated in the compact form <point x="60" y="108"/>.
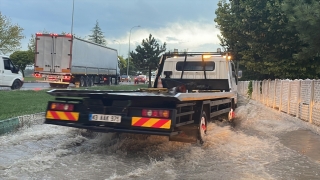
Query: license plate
<point x="105" y="118"/>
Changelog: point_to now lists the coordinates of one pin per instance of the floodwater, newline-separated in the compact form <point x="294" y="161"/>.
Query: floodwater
<point x="263" y="144"/>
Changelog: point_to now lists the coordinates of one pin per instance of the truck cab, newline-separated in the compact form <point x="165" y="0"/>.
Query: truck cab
<point x="10" y="76"/>
<point x="202" y="72"/>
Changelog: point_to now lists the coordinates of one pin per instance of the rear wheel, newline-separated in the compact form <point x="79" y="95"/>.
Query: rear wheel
<point x="82" y="82"/>
<point x="203" y="127"/>
<point x="16" y="84"/>
<point x="88" y="81"/>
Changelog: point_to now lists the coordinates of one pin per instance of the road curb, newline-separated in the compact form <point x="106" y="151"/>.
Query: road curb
<point x="15" y="123"/>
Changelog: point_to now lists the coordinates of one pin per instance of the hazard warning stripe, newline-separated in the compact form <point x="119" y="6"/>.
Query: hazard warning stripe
<point x="151" y="122"/>
<point x="61" y="115"/>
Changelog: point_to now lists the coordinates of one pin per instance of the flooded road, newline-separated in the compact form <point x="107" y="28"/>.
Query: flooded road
<point x="263" y="144"/>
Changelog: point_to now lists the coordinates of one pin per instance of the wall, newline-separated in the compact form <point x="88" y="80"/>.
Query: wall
<point x="299" y="98"/>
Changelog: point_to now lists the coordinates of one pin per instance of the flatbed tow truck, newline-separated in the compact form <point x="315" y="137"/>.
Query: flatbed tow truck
<point x="189" y="90"/>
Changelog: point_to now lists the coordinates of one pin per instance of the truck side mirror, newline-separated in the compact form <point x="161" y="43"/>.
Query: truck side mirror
<point x="239" y="74"/>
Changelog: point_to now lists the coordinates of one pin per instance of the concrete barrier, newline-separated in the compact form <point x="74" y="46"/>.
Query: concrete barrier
<point x="13" y="124"/>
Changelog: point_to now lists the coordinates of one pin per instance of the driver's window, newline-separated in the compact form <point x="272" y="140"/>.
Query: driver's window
<point x="7" y="64"/>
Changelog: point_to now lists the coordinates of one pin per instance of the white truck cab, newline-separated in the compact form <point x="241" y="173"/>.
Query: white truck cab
<point x="10" y="76"/>
<point x="217" y="67"/>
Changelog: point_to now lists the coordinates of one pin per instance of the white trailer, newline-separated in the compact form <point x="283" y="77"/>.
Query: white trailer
<point x="64" y="59"/>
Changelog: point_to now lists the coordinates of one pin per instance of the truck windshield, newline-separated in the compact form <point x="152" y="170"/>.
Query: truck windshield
<point x="195" y="66"/>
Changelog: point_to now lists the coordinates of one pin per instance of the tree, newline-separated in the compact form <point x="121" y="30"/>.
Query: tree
<point x="304" y="17"/>
<point x="148" y="54"/>
<point x="22" y="59"/>
<point x="259" y="33"/>
<point x="97" y="35"/>
<point x="122" y="64"/>
<point x="32" y="46"/>
<point x="10" y="35"/>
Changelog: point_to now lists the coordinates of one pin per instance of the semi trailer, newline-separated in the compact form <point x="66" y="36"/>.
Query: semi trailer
<point x="64" y="59"/>
<point x="188" y="91"/>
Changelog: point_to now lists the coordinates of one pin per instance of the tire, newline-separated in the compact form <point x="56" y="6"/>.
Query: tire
<point x="203" y="127"/>
<point x="82" y="82"/>
<point x="92" y="81"/>
<point x="89" y="81"/>
<point x="16" y="84"/>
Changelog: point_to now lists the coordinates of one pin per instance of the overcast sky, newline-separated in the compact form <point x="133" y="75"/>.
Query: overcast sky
<point x="182" y="24"/>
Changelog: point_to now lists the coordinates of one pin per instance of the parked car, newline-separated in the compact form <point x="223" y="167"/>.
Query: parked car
<point x="140" y="79"/>
<point x="125" y="78"/>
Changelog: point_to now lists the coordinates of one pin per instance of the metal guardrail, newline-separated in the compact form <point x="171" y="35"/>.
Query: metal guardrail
<point x="299" y="98"/>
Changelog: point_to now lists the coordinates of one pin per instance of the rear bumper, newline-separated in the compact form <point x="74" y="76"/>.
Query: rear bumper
<point x="106" y="129"/>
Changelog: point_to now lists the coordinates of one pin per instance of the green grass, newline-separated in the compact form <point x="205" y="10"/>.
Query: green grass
<point x="31" y="79"/>
<point x="17" y="103"/>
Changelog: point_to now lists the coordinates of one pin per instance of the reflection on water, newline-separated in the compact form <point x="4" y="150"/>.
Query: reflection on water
<point x="303" y="141"/>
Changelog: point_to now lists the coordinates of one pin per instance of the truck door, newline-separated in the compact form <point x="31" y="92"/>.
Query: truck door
<point x="8" y="75"/>
<point x="62" y="51"/>
<point x="44" y="53"/>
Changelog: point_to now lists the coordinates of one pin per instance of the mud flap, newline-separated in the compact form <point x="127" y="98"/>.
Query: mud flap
<point x="187" y="134"/>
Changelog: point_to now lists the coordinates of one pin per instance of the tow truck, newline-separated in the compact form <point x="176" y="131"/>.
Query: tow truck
<point x="188" y="91"/>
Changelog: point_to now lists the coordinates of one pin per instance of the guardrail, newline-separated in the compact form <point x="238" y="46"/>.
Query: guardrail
<point x="299" y="98"/>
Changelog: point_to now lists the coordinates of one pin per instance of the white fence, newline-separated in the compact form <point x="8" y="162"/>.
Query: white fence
<point x="299" y="98"/>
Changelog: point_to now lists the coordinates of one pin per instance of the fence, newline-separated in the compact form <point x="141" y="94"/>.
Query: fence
<point x="299" y="98"/>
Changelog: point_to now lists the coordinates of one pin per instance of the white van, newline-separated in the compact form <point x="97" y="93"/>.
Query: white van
<point x="10" y="76"/>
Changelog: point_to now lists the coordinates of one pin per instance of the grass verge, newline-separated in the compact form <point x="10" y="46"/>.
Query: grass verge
<point x="33" y="79"/>
<point x="17" y="103"/>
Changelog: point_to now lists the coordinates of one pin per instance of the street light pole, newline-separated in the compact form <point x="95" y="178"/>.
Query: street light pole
<point x="129" y="50"/>
<point x="119" y="46"/>
<point x="72" y="17"/>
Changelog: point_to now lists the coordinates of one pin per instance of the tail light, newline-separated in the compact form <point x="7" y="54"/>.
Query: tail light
<point x="155" y="113"/>
<point x="62" y="106"/>
<point x="66" y="77"/>
<point x="37" y="75"/>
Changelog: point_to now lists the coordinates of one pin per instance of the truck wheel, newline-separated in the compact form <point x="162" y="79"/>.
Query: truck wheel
<point x="16" y="84"/>
<point x="82" y="82"/>
<point x="92" y="80"/>
<point x="203" y="127"/>
<point x="88" y="81"/>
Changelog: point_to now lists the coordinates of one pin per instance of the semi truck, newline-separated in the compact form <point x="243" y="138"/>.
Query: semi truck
<point x="189" y="90"/>
<point x="64" y="59"/>
<point x="10" y="75"/>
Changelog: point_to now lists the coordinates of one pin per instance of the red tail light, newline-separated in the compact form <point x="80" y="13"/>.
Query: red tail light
<point x="155" y="113"/>
<point x="37" y="75"/>
<point x="66" y="77"/>
<point x="62" y="106"/>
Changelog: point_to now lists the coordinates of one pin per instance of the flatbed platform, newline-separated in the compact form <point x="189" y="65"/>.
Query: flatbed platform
<point x="194" y="96"/>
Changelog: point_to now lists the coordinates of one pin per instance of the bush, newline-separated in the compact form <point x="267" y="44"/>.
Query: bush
<point x="250" y="89"/>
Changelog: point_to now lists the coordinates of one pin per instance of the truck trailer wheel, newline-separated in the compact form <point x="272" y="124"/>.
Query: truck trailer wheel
<point x="82" y="81"/>
<point x="16" y="84"/>
<point x="91" y="83"/>
<point x="203" y="127"/>
<point x="88" y="81"/>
